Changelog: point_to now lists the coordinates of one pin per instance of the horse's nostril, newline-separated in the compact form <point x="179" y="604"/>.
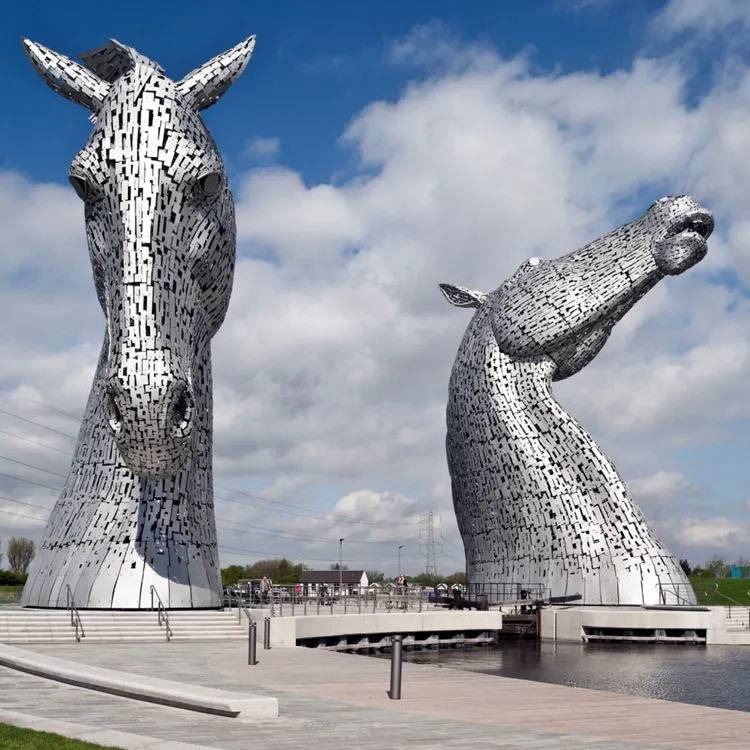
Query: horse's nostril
<point x="112" y="412"/>
<point x="182" y="409"/>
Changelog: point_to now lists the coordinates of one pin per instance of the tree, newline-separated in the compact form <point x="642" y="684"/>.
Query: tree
<point x="335" y="566"/>
<point x="20" y="553"/>
<point x="1" y="558"/>
<point x="375" y="576"/>
<point x="281" y="571"/>
<point x="686" y="569"/>
<point x="716" y="567"/>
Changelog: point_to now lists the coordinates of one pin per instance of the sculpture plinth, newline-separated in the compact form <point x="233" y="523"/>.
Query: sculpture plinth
<point x="136" y="512"/>
<point x="536" y="499"/>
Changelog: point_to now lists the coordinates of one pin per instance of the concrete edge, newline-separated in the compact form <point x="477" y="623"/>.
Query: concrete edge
<point x="97" y="735"/>
<point x="139" y="687"/>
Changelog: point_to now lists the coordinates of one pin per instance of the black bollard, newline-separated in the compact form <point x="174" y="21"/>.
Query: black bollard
<point x="267" y="633"/>
<point x="396" y="648"/>
<point x="252" y="644"/>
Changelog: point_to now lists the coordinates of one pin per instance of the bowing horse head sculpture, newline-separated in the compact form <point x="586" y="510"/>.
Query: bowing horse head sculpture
<point x="161" y="235"/>
<point x="537" y="501"/>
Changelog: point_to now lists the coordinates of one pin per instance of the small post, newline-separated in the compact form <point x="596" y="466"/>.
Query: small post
<point x="252" y="644"/>
<point x="359" y="600"/>
<point x="396" y="645"/>
<point x="538" y="622"/>
<point x="304" y="604"/>
<point x="267" y="633"/>
<point x="374" y="601"/>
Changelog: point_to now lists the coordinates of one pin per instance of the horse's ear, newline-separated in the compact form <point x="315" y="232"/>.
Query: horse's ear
<point x="462" y="297"/>
<point x="66" y="77"/>
<point x="205" y="85"/>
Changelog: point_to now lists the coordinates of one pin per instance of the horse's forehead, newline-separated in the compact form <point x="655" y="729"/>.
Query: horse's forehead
<point x="140" y="113"/>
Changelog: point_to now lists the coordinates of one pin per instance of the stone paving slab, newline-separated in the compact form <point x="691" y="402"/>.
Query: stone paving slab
<point x="150" y="688"/>
<point x="305" y="680"/>
<point x="85" y="733"/>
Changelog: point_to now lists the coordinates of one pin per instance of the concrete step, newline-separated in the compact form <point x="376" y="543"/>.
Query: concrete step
<point x="53" y="626"/>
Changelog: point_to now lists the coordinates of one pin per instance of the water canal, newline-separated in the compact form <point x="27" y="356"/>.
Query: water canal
<point x="717" y="676"/>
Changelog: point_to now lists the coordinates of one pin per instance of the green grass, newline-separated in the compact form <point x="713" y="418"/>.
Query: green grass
<point x="13" y="738"/>
<point x="734" y="588"/>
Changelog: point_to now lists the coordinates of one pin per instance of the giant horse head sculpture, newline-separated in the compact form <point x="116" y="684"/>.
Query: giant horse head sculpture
<point x="537" y="501"/>
<point x="161" y="234"/>
<point x="135" y="518"/>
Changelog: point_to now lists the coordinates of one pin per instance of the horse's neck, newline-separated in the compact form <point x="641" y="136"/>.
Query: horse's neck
<point x="536" y="443"/>
<point x="96" y="456"/>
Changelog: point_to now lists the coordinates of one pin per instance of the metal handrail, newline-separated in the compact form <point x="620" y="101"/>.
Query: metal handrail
<point x="733" y="601"/>
<point x="162" y="612"/>
<point x="240" y="606"/>
<point x="673" y="589"/>
<point x="75" y="618"/>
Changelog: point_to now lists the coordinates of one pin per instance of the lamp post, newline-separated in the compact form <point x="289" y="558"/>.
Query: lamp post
<point x="341" y="560"/>
<point x="400" y="547"/>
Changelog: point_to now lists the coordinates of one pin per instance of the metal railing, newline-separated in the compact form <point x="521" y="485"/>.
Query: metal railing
<point x="733" y="602"/>
<point x="678" y="594"/>
<point x="75" y="618"/>
<point x="300" y="599"/>
<point x="163" y="615"/>
<point x="234" y="596"/>
<point x="497" y="592"/>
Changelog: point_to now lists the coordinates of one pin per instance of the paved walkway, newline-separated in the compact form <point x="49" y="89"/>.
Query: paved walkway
<point x="336" y="701"/>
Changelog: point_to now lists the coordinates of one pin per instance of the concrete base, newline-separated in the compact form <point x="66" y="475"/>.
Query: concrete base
<point x="287" y="631"/>
<point x="150" y="689"/>
<point x="571" y="624"/>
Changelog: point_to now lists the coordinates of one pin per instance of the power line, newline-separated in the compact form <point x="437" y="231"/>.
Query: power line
<point x="38" y="424"/>
<point x="309" y="514"/>
<point x="35" y="442"/>
<point x="30" y="466"/>
<point x="41" y="403"/>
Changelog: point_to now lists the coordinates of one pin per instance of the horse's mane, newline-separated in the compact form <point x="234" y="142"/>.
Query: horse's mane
<point x="114" y="60"/>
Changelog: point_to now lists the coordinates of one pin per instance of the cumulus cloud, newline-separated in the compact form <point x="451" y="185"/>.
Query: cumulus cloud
<point x="713" y="532"/>
<point x="331" y="370"/>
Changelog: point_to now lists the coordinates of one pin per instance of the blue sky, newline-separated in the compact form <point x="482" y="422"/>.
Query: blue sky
<point x="316" y="63"/>
<point x="601" y="83"/>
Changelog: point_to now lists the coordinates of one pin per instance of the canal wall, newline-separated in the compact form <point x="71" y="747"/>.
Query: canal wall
<point x="700" y="625"/>
<point x="289" y="631"/>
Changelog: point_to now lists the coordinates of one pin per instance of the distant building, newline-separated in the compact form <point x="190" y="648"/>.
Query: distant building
<point x="313" y="580"/>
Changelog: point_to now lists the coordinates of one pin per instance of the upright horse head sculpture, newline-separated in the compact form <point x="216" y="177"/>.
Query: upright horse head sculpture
<point x="536" y="499"/>
<point x="136" y="511"/>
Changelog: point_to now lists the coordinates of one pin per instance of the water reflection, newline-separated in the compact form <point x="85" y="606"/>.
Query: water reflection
<point x="716" y="676"/>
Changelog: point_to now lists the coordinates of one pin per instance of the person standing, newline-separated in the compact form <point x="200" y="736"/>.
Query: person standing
<point x="265" y="588"/>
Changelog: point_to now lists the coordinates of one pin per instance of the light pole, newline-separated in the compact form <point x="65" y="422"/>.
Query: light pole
<point x="341" y="559"/>
<point x="400" y="547"/>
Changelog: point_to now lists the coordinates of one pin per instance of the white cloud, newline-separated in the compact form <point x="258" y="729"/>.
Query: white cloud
<point x="661" y="486"/>
<point x="263" y="148"/>
<point x="713" y="532"/>
<point x="331" y="370"/>
<point x="701" y="15"/>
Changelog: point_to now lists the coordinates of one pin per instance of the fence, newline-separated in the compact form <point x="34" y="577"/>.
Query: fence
<point x="302" y="599"/>
<point x="503" y="591"/>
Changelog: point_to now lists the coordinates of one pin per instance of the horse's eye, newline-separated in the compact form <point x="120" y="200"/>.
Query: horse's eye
<point x="81" y="186"/>
<point x="209" y="182"/>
